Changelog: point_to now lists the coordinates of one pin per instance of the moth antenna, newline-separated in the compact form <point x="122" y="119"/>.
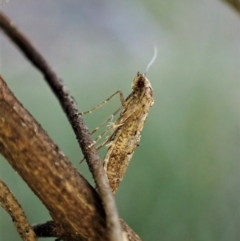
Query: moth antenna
<point x="153" y="59"/>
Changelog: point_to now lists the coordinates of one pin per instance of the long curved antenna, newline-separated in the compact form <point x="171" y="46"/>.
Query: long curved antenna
<point x="153" y="59"/>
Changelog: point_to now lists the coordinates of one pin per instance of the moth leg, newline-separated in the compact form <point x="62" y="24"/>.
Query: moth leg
<point x="104" y="102"/>
<point x="100" y="145"/>
<point x="110" y="118"/>
<point x="103" y="134"/>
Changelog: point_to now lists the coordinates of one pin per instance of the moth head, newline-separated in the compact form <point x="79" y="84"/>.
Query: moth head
<point x="141" y="82"/>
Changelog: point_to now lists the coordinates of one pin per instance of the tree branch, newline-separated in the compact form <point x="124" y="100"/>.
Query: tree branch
<point x="46" y="230"/>
<point x="73" y="204"/>
<point x="70" y="107"/>
<point x="49" y="229"/>
<point x="11" y="205"/>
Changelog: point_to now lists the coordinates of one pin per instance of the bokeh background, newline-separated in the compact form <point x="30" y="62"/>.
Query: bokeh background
<point x="183" y="182"/>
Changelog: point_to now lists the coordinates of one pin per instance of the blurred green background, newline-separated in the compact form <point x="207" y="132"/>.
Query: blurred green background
<point x="183" y="182"/>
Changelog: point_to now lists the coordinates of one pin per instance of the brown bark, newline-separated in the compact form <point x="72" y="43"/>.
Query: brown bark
<point x="72" y="202"/>
<point x="70" y="108"/>
<point x="11" y="205"/>
<point x="79" y="213"/>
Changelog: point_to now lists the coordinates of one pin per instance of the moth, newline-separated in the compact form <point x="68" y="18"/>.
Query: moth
<point x="127" y="130"/>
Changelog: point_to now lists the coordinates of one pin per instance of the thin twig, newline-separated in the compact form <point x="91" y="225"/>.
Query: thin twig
<point x="11" y="205"/>
<point x="234" y="3"/>
<point x="70" y="107"/>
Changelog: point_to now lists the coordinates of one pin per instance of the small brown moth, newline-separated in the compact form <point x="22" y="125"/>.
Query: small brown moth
<point x="127" y="130"/>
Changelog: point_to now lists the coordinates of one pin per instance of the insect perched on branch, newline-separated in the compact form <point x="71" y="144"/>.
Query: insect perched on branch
<point x="127" y="130"/>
